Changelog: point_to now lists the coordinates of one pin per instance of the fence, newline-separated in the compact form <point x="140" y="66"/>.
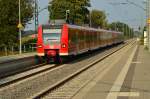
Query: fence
<point x="12" y="50"/>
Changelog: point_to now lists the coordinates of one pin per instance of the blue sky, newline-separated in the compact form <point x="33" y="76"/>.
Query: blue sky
<point x="128" y="13"/>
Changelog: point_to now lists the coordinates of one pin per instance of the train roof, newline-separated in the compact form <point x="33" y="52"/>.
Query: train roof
<point x="92" y="29"/>
<point x="78" y="27"/>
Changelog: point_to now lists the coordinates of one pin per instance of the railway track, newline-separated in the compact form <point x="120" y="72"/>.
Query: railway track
<point x="15" y="66"/>
<point x="45" y="78"/>
<point x="68" y="87"/>
<point x="5" y="81"/>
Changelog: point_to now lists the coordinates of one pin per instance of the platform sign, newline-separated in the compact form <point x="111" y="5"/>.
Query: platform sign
<point x="20" y="26"/>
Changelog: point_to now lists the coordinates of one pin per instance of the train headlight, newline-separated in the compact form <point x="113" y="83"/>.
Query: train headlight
<point x="39" y="46"/>
<point x="63" y="45"/>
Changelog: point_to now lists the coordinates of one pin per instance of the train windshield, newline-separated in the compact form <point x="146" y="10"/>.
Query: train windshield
<point x="51" y="36"/>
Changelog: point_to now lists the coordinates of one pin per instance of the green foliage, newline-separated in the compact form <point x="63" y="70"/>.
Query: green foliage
<point x="119" y="26"/>
<point x="9" y="19"/>
<point x="79" y="14"/>
<point x="98" y="19"/>
<point x="28" y="39"/>
<point x="31" y="41"/>
<point x="78" y="10"/>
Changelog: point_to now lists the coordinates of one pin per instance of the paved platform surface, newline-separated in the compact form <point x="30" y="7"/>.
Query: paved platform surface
<point x="14" y="57"/>
<point x="128" y="79"/>
<point x="141" y="75"/>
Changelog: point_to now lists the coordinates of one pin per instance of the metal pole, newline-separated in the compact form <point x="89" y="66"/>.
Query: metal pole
<point x="129" y="32"/>
<point x="74" y="20"/>
<point x="90" y="19"/>
<point x="66" y="15"/>
<point x="126" y="31"/>
<point x="36" y="15"/>
<point x="123" y="28"/>
<point x="148" y="24"/>
<point x="116" y="26"/>
<point x="141" y="24"/>
<point x="20" y="48"/>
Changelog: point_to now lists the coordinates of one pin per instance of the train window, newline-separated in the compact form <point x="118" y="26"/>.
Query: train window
<point x="52" y="26"/>
<point x="81" y="35"/>
<point x="73" y="35"/>
<point x="51" y="36"/>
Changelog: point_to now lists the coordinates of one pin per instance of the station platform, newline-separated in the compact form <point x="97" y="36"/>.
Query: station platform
<point x="128" y="79"/>
<point x="140" y="76"/>
<point x="15" y="57"/>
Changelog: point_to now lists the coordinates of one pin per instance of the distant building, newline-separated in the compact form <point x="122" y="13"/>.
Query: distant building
<point x="30" y="34"/>
<point x="27" y="33"/>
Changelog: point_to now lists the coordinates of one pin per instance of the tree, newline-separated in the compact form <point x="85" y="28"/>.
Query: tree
<point x="122" y="27"/>
<point x="78" y="10"/>
<point x="9" y="19"/>
<point x="98" y="19"/>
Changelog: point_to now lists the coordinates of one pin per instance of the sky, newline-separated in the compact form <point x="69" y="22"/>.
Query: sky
<point x="127" y="13"/>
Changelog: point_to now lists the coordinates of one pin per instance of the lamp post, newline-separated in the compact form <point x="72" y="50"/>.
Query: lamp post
<point x="148" y="22"/>
<point x="36" y="15"/>
<point x="90" y="21"/>
<point x="20" y="39"/>
<point x="67" y="16"/>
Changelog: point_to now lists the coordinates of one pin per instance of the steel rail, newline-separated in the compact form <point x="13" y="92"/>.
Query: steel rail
<point x="15" y="80"/>
<point x="68" y="78"/>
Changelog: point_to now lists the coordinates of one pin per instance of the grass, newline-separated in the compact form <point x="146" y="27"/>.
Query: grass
<point x="2" y="53"/>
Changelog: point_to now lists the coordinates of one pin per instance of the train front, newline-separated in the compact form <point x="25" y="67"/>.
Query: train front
<point x="48" y="43"/>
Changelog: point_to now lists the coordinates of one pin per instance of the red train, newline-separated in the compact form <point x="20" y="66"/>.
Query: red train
<point x="55" y="41"/>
